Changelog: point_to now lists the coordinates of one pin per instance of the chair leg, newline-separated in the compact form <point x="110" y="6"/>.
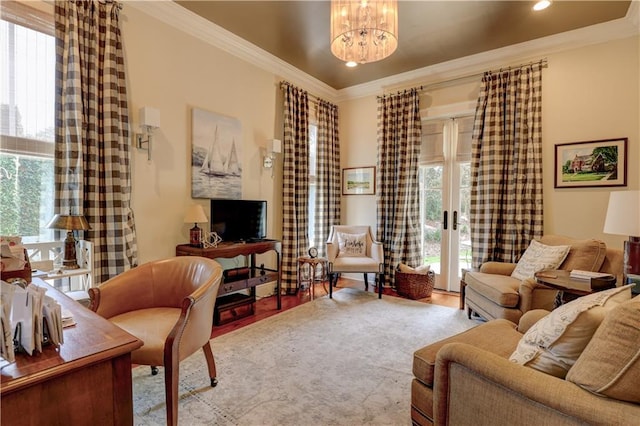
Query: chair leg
<point x="171" y="377"/>
<point x="366" y="282"/>
<point x="380" y="285"/>
<point x="211" y="364"/>
<point x="331" y="278"/>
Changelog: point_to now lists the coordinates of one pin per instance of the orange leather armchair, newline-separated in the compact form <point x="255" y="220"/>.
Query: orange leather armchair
<point x="168" y="304"/>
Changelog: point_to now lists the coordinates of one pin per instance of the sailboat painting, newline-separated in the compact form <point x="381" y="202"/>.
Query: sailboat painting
<point x="216" y="153"/>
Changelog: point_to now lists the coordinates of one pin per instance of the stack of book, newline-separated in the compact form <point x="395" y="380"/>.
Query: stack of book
<point x="598" y="280"/>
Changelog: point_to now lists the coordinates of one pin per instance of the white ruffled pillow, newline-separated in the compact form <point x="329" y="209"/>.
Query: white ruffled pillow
<point x="554" y="343"/>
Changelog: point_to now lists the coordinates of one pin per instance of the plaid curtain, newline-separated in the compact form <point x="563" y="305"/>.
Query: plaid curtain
<point x="327" y="208"/>
<point x="295" y="181"/>
<point x="506" y="165"/>
<point x="399" y="138"/>
<point x="92" y="159"/>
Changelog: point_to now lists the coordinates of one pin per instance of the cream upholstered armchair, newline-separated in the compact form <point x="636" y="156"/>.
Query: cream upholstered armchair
<point x="353" y="249"/>
<point x="168" y="304"/>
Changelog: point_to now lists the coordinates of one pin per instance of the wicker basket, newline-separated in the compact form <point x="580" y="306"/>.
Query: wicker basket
<point x="415" y="286"/>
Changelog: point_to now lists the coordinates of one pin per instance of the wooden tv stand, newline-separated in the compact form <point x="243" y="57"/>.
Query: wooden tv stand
<point x="228" y="296"/>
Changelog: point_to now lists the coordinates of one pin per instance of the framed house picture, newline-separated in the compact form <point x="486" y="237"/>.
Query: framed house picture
<point x="359" y="181"/>
<point x="591" y="164"/>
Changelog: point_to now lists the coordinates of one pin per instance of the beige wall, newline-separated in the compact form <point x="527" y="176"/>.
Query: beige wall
<point x="173" y="72"/>
<point x="588" y="94"/>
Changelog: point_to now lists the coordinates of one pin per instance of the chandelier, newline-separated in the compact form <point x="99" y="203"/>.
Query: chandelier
<point x="363" y="30"/>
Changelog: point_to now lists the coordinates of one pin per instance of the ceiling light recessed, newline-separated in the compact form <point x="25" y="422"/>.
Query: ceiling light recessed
<point x="541" y="5"/>
<point x="351" y="64"/>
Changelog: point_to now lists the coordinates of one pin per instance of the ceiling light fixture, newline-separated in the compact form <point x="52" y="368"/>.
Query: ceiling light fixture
<point x="541" y="5"/>
<point x="364" y="30"/>
<point x="351" y="64"/>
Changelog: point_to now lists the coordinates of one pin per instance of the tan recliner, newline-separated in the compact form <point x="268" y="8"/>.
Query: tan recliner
<point x="371" y="262"/>
<point x="493" y="293"/>
<point x="168" y="304"/>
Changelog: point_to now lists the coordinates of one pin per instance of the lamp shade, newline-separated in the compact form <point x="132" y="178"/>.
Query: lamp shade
<point x="69" y="222"/>
<point x="195" y="214"/>
<point x="623" y="213"/>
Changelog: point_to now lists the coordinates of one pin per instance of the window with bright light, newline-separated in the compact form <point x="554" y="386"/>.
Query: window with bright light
<point x="27" y="128"/>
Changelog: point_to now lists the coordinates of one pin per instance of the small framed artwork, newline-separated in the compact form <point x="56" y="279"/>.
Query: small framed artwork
<point x="591" y="164"/>
<point x="359" y="181"/>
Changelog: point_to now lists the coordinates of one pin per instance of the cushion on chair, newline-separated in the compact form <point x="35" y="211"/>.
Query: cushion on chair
<point x="152" y="326"/>
<point x="553" y="344"/>
<point x="355" y="264"/>
<point x="610" y="364"/>
<point x="352" y="245"/>
<point x="500" y="289"/>
<point x="539" y="257"/>
<point x="585" y="255"/>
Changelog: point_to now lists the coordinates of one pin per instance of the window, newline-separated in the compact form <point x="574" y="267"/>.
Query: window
<point x="27" y="122"/>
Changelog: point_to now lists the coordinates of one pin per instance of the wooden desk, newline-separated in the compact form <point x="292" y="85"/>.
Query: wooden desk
<point x="86" y="381"/>
<point x="228" y="296"/>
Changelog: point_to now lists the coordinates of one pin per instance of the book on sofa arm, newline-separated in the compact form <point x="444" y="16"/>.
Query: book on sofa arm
<point x="577" y="274"/>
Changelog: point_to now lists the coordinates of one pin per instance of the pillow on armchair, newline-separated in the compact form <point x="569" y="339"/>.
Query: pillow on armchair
<point x="539" y="257"/>
<point x="352" y="245"/>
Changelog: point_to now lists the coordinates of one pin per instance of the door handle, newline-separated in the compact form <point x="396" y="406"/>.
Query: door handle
<point x="455" y="220"/>
<point x="445" y="220"/>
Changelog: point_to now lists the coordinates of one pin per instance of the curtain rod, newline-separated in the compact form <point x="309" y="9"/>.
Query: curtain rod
<point x="313" y="98"/>
<point x="543" y="63"/>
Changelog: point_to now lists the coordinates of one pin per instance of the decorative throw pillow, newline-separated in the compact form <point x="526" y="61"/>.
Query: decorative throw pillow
<point x="352" y="245"/>
<point x="539" y="257"/>
<point x="553" y="344"/>
<point x="610" y="364"/>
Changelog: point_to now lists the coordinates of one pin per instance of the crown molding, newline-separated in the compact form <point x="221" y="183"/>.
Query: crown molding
<point x="514" y="54"/>
<point x="184" y="20"/>
<point x="196" y="26"/>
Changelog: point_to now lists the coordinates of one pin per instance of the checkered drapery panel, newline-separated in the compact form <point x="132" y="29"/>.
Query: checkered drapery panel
<point x="92" y="158"/>
<point x="327" y="209"/>
<point x="506" y="165"/>
<point x="398" y="213"/>
<point x="295" y="181"/>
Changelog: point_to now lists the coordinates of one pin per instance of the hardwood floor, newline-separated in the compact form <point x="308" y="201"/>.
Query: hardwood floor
<point x="266" y="307"/>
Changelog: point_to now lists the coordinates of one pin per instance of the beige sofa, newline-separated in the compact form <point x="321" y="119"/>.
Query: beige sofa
<point x="468" y="379"/>
<point x="492" y="293"/>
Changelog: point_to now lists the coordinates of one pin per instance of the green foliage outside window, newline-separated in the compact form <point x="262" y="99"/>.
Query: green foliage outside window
<point x="24" y="180"/>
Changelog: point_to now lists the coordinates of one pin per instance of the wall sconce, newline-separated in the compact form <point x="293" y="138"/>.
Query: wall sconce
<point x="274" y="146"/>
<point x="149" y="120"/>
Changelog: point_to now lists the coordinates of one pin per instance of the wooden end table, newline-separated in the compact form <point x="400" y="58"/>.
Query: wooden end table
<point x="562" y="281"/>
<point x="463" y="285"/>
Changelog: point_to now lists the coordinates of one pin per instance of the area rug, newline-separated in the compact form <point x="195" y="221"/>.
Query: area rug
<point x="340" y="361"/>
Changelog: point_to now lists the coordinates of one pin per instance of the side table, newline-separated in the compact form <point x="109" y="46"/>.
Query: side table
<point x="463" y="284"/>
<point x="570" y="288"/>
<point x="311" y="264"/>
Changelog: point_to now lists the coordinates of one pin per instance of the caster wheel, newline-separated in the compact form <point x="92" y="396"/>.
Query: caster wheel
<point x="214" y="382"/>
<point x="154" y="370"/>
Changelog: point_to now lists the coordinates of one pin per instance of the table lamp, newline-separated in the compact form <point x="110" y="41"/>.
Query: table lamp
<point x="196" y="215"/>
<point x="623" y="218"/>
<point x="69" y="223"/>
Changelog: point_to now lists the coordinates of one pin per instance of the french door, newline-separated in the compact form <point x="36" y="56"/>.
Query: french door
<point x="445" y="191"/>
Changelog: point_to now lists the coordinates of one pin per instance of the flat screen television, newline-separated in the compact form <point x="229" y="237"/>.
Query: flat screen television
<point x="239" y="220"/>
